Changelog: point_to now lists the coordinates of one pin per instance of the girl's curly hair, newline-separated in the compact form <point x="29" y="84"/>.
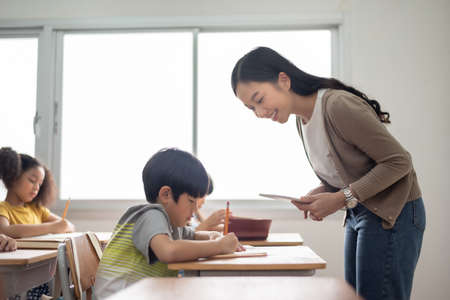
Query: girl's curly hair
<point x="13" y="165"/>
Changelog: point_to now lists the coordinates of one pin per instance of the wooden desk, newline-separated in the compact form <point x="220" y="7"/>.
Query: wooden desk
<point x="52" y="241"/>
<point x="277" y="239"/>
<point x="280" y="261"/>
<point x="226" y="288"/>
<point x="24" y="269"/>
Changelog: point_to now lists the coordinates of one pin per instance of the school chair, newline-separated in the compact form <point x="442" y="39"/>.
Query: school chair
<point x="78" y="256"/>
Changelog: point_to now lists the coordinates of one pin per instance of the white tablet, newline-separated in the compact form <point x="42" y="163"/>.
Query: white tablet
<point x="281" y="197"/>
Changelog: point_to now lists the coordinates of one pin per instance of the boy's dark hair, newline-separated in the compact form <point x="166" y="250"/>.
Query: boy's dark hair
<point x="210" y="186"/>
<point x="13" y="165"/>
<point x="179" y="170"/>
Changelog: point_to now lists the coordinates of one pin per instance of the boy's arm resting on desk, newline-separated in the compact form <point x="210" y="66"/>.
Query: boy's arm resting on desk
<point x="206" y="235"/>
<point x="170" y="251"/>
<point x="27" y="230"/>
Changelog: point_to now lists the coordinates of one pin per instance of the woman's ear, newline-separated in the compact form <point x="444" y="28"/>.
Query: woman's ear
<point x="165" y="194"/>
<point x="284" y="81"/>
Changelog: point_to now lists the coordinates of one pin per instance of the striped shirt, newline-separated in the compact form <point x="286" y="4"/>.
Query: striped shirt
<point x="128" y="257"/>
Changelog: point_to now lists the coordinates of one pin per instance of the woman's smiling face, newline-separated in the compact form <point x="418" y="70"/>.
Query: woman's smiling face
<point x="266" y="99"/>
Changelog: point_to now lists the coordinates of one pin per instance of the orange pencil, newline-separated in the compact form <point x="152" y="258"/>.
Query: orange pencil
<point x="66" y="208"/>
<point x="227" y="218"/>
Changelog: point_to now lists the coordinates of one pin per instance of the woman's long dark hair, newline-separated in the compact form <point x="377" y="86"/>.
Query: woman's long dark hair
<point x="264" y="65"/>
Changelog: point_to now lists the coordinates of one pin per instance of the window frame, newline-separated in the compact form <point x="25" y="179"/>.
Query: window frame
<point x="50" y="57"/>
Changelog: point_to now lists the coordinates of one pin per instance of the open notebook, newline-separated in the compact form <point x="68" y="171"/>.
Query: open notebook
<point x="250" y="251"/>
<point x="51" y="241"/>
<point x="238" y="254"/>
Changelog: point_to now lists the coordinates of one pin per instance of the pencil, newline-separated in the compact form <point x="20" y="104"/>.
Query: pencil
<point x="66" y="208"/>
<point x="227" y="218"/>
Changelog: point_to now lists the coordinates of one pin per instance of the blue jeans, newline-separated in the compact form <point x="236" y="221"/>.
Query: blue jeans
<point x="380" y="263"/>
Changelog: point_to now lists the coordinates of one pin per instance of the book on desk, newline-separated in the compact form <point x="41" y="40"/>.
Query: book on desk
<point x="52" y="241"/>
<point x="249" y="252"/>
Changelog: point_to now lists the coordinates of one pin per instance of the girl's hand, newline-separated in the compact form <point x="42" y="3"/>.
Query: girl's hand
<point x="63" y="226"/>
<point x="7" y="243"/>
<point x="321" y="205"/>
<point x="229" y="243"/>
<point x="214" y="222"/>
<point x="216" y="218"/>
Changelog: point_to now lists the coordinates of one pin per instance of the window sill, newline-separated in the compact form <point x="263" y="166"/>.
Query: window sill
<point x="258" y="208"/>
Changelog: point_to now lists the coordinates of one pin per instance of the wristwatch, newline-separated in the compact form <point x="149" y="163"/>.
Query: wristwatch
<point x="350" y="200"/>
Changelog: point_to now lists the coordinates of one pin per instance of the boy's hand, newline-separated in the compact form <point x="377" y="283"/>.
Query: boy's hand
<point x="240" y="248"/>
<point x="214" y="235"/>
<point x="229" y="243"/>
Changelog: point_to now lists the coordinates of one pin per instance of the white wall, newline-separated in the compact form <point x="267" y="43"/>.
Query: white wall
<point x="109" y="8"/>
<point x="399" y="53"/>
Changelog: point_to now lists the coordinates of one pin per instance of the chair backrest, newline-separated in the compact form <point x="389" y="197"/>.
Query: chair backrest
<point x="82" y="255"/>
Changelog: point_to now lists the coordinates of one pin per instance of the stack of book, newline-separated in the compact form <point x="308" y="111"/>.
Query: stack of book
<point x="52" y="241"/>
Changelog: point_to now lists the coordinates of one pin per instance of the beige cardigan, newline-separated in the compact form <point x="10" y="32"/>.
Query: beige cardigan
<point x="367" y="157"/>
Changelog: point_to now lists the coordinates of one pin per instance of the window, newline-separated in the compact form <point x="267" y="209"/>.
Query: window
<point x="18" y="61"/>
<point x="125" y="96"/>
<point x="246" y="155"/>
<point x="109" y="98"/>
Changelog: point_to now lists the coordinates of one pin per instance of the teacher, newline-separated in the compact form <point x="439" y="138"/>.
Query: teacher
<point x="362" y="168"/>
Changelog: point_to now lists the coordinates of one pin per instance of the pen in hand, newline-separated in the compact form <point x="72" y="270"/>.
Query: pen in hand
<point x="66" y="209"/>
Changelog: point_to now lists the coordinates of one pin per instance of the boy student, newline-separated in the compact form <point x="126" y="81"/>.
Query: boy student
<point x="149" y="236"/>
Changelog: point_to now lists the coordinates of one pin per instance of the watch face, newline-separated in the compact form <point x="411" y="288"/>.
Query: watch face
<point x="352" y="203"/>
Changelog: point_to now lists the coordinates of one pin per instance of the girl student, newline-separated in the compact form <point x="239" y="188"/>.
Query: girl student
<point x="24" y="213"/>
<point x="30" y="190"/>
<point x="362" y="167"/>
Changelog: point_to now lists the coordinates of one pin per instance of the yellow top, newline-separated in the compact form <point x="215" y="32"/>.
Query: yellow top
<point x="31" y="213"/>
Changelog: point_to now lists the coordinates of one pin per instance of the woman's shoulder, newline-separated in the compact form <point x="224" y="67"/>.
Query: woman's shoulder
<point x="337" y="102"/>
